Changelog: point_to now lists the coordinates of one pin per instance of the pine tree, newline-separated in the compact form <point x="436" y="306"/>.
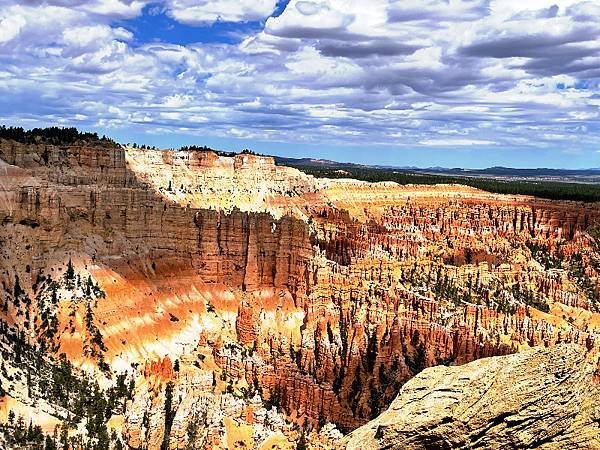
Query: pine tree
<point x="17" y="292"/>
<point x="302" y="444"/>
<point x="64" y="437"/>
<point x="70" y="273"/>
<point x="30" y="431"/>
<point x="169" y="415"/>
<point x="371" y="355"/>
<point x="54" y="297"/>
<point x="50" y="445"/>
<point x="88" y="287"/>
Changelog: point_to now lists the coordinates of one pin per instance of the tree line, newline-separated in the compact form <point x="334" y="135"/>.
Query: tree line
<point x="552" y="190"/>
<point x="52" y="136"/>
<point x="204" y="148"/>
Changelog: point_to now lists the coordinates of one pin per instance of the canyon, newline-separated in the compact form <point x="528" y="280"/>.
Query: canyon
<point x="229" y="302"/>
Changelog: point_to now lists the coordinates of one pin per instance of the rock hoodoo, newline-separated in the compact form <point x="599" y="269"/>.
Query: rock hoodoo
<point x="284" y="303"/>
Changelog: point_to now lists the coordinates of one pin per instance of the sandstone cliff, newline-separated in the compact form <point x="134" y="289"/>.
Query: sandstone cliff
<point x="543" y="398"/>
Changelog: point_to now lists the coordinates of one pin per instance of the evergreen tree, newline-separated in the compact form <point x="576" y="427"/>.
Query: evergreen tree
<point x="64" y="437"/>
<point x="50" y="444"/>
<point x="70" y="273"/>
<point x="169" y="415"/>
<point x="54" y="298"/>
<point x="17" y="292"/>
<point x="302" y="444"/>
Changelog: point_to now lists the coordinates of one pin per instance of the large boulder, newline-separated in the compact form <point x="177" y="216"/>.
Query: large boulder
<point x="544" y="398"/>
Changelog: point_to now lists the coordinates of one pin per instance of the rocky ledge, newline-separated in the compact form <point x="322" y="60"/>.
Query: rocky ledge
<point x="543" y="398"/>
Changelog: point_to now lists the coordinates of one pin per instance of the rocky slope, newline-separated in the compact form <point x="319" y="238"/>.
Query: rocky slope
<point x="542" y="398"/>
<point x="249" y="302"/>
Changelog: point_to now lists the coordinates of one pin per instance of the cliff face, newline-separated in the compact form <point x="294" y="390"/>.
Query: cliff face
<point x="206" y="180"/>
<point x="543" y="398"/>
<point x="284" y="299"/>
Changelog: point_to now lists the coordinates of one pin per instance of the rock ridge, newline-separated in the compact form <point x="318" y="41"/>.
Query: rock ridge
<point x="542" y="398"/>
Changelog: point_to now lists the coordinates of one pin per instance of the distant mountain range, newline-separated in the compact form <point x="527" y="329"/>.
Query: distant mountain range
<point x="323" y="163"/>
<point x="496" y="171"/>
<point x="512" y="172"/>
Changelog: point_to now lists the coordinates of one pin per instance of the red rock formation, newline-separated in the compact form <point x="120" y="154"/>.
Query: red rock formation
<point x="322" y="297"/>
<point x="162" y="369"/>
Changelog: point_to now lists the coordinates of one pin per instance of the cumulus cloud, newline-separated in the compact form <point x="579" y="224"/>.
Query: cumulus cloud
<point x="458" y="73"/>
<point x="10" y="27"/>
<point x="454" y="142"/>
<point x="196" y="12"/>
<point x="111" y="8"/>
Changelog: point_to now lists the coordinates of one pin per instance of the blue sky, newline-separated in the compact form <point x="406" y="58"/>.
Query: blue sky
<point x="155" y="25"/>
<point x="470" y="83"/>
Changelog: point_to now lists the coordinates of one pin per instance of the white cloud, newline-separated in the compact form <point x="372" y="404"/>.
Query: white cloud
<point x="10" y="27"/>
<point x="196" y="12"/>
<point x="90" y="37"/>
<point x="116" y="8"/>
<point x="508" y="8"/>
<point x="455" y="142"/>
<point x="456" y="73"/>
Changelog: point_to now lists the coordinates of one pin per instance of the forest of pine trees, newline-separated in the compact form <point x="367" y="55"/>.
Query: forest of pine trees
<point x="52" y="136"/>
<point x="543" y="189"/>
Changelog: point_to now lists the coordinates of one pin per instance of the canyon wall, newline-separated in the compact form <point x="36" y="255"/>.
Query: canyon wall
<point x="284" y="301"/>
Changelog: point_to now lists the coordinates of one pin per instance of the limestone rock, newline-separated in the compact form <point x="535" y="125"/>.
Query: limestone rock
<point x="542" y="398"/>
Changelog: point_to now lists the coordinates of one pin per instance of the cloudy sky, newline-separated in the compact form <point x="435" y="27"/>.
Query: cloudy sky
<point x="409" y="82"/>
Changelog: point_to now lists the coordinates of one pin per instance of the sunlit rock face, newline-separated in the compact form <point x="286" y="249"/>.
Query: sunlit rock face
<point x="540" y="398"/>
<point x="264" y="300"/>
